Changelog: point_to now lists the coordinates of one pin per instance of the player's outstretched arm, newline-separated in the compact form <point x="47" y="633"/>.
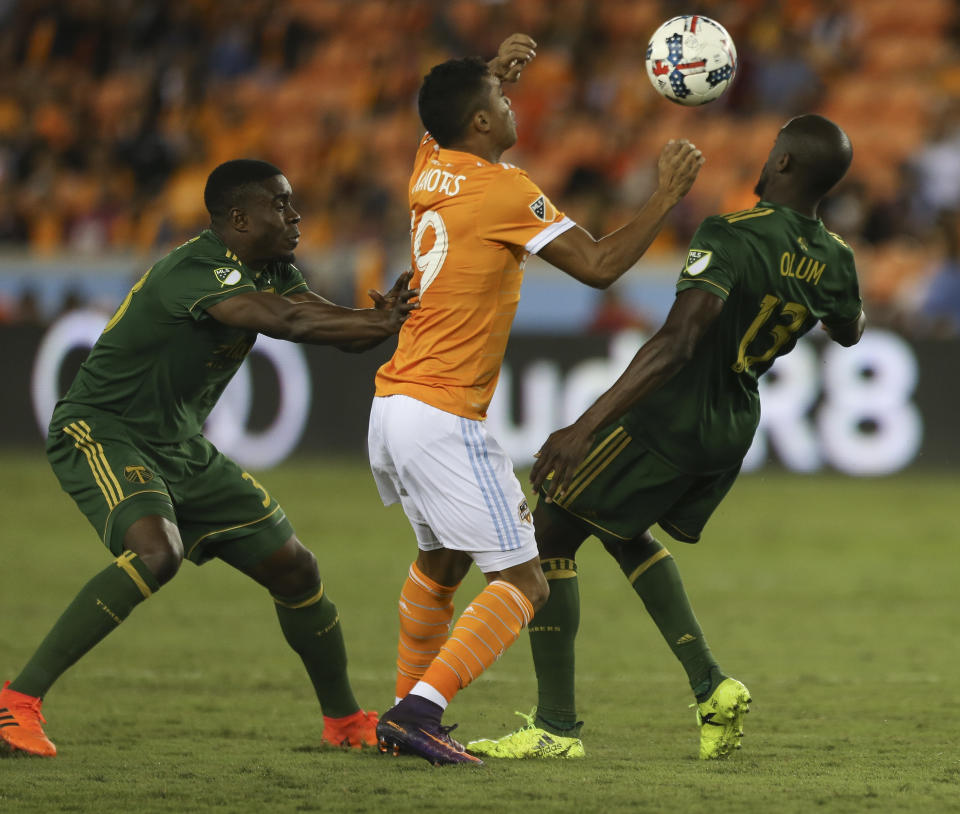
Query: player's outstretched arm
<point x="514" y="54"/>
<point x="668" y="350"/>
<point x="316" y="321"/>
<point x="382" y="302"/>
<point x="848" y="334"/>
<point x="599" y="263"/>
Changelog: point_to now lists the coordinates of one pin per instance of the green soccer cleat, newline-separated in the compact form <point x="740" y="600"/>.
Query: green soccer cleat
<point x="529" y="741"/>
<point x="720" y="719"/>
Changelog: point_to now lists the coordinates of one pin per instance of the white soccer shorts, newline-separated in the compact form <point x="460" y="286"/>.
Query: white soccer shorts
<point x="454" y="481"/>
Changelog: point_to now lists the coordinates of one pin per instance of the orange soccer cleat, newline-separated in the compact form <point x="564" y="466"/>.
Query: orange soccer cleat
<point x="352" y="731"/>
<point x="20" y="720"/>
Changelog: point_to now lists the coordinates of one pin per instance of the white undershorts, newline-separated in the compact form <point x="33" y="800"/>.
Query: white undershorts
<point x="454" y="481"/>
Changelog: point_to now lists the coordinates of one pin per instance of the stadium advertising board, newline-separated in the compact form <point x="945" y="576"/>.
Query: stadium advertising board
<point x="874" y="409"/>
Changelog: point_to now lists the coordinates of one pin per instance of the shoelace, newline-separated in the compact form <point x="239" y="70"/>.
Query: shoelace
<point x="444" y="732"/>
<point x="529" y="720"/>
<point x="30" y="706"/>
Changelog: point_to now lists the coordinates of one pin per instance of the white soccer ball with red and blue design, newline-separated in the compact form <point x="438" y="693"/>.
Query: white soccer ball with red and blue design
<point x="691" y="60"/>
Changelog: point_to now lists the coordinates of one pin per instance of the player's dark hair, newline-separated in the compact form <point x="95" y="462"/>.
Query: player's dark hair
<point x="228" y="183"/>
<point x="821" y="150"/>
<point x="449" y="96"/>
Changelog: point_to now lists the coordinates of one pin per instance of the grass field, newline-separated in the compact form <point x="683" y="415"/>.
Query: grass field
<point x="834" y="600"/>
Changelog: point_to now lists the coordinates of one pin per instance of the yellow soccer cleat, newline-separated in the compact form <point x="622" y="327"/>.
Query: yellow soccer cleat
<point x="530" y="741"/>
<point x="720" y="719"/>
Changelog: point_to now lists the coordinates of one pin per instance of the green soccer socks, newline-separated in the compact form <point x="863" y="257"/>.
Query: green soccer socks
<point x="553" y="632"/>
<point x="655" y="577"/>
<point x="311" y="625"/>
<point x="102" y="604"/>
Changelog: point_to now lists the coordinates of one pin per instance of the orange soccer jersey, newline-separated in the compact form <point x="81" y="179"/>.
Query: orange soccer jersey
<point x="472" y="226"/>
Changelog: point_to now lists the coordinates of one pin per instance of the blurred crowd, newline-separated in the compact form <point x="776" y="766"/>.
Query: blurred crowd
<point x="112" y="113"/>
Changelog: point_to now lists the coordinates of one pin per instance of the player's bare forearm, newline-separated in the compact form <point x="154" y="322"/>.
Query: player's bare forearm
<point x="355" y="346"/>
<point x="313" y="321"/>
<point x="668" y="350"/>
<point x="599" y="263"/>
<point x="565" y="449"/>
<point x="655" y="363"/>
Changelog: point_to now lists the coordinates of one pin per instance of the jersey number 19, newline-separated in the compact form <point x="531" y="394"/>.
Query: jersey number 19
<point x="430" y="262"/>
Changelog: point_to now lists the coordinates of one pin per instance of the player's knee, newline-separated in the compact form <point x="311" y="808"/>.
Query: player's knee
<point x="529" y="579"/>
<point x="555" y="536"/>
<point x="536" y="588"/>
<point x="540" y="593"/>
<point x="291" y="570"/>
<point x="156" y="541"/>
<point x="164" y="563"/>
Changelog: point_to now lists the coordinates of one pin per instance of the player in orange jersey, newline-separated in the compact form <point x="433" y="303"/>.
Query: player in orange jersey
<point x="474" y="222"/>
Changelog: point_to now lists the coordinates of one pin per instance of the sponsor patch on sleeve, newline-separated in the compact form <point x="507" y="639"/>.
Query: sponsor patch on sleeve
<point x="697" y="261"/>
<point x="227" y="276"/>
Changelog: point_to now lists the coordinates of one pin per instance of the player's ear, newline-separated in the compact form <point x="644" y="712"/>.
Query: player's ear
<point x="783" y="162"/>
<point x="238" y="219"/>
<point x="481" y="121"/>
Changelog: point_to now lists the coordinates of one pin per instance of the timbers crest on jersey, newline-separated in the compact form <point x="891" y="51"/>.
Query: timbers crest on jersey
<point x="137" y="474"/>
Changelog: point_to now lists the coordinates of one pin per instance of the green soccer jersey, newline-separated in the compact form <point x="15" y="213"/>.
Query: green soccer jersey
<point x="161" y="363"/>
<point x="779" y="273"/>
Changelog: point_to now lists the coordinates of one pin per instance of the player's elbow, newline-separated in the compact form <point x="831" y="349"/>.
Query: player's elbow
<point x="848" y="335"/>
<point x="846" y="341"/>
<point x="677" y="349"/>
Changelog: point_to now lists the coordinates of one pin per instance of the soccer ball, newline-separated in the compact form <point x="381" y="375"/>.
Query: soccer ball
<point x="691" y="60"/>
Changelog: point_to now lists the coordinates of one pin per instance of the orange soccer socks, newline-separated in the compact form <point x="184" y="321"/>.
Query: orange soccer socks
<point x="426" y="610"/>
<point x="487" y="627"/>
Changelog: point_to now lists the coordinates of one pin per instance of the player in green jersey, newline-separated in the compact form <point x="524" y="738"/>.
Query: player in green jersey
<point x="126" y="443"/>
<point x="665" y="443"/>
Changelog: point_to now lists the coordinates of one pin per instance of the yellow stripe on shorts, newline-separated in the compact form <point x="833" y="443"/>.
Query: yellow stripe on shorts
<point x="103" y="457"/>
<point x="97" y="460"/>
<point x="596" y="462"/>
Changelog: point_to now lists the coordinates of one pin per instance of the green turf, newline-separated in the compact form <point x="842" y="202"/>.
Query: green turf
<point x="834" y="600"/>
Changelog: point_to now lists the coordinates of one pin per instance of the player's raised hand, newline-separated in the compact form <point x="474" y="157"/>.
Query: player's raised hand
<point x="560" y="455"/>
<point x="677" y="167"/>
<point x="515" y="53"/>
<point x="397" y="301"/>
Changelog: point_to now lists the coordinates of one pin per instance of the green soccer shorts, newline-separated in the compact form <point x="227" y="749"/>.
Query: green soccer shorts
<point x="621" y="489"/>
<point x="116" y="478"/>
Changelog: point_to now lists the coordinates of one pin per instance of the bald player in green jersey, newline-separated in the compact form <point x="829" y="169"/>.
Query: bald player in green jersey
<point x="665" y="443"/>
<point x="125" y="442"/>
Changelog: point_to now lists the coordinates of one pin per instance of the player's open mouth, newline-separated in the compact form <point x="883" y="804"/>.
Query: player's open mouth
<point x="294" y="239"/>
